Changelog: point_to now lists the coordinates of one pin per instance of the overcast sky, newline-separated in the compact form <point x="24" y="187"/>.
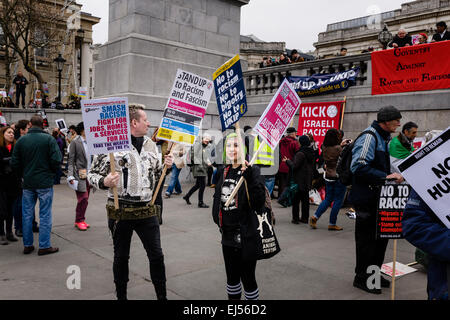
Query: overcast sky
<point x="296" y="22"/>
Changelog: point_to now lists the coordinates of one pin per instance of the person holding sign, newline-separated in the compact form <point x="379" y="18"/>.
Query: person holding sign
<point x="423" y="229"/>
<point x="138" y="172"/>
<point x="370" y="168"/>
<point x="233" y="220"/>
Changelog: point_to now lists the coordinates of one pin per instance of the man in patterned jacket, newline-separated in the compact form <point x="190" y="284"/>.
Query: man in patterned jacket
<point x="136" y="177"/>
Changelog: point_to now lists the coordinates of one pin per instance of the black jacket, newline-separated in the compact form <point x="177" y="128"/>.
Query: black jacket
<point x="257" y="193"/>
<point x="303" y="167"/>
<point x="401" y="42"/>
<point x="23" y="83"/>
<point x="9" y="181"/>
<point x="437" y="36"/>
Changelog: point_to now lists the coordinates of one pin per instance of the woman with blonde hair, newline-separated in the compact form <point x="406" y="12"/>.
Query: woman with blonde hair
<point x="233" y="221"/>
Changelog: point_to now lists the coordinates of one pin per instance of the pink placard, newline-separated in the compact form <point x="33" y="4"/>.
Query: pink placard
<point x="278" y="115"/>
<point x="186" y="108"/>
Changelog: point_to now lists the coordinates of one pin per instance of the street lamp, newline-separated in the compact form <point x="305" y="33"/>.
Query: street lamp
<point x="384" y="37"/>
<point x="59" y="66"/>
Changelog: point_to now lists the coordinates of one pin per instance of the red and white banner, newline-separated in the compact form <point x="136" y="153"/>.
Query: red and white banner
<point x="318" y="117"/>
<point x="416" y="68"/>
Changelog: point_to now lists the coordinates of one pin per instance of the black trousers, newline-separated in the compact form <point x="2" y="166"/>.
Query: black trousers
<point x="20" y="93"/>
<point x="283" y="182"/>
<point x="6" y="208"/>
<point x="200" y="184"/>
<point x="302" y="196"/>
<point x="369" y="250"/>
<point x="148" y="231"/>
<point x="237" y="270"/>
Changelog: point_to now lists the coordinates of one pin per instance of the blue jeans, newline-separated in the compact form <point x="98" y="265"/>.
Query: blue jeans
<point x="335" y="192"/>
<point x="270" y="183"/>
<point x="29" y="199"/>
<point x="174" y="182"/>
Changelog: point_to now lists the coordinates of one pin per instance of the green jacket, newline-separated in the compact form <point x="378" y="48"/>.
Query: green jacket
<point x="200" y="155"/>
<point x="398" y="150"/>
<point x="36" y="158"/>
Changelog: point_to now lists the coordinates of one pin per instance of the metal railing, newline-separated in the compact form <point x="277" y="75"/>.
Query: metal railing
<point x="267" y="80"/>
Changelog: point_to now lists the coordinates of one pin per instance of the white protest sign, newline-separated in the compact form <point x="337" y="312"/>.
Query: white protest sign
<point x="400" y="269"/>
<point x="428" y="173"/>
<point x="185" y="108"/>
<point x="107" y="125"/>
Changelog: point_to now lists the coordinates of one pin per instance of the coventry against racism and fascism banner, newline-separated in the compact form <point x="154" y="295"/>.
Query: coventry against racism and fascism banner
<point x="107" y="125"/>
<point x="428" y="172"/>
<point x="278" y="115"/>
<point x="318" y="117"/>
<point x="416" y="68"/>
<point x="324" y="83"/>
<point x="230" y="92"/>
<point x="185" y="108"/>
<point x="392" y="202"/>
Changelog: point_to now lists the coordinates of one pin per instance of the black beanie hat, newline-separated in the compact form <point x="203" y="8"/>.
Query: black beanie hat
<point x="388" y="114"/>
<point x="290" y="130"/>
<point x="304" y="141"/>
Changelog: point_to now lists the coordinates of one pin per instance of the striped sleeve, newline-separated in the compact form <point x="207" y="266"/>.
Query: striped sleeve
<point x="363" y="152"/>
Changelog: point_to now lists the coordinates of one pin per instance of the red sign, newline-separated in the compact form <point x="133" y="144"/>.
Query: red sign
<point x="318" y="117"/>
<point x="416" y="68"/>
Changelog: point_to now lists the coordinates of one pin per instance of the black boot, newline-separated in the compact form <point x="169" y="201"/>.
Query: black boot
<point x="161" y="292"/>
<point x="121" y="291"/>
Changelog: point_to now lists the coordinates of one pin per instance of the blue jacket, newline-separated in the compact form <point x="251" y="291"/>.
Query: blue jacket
<point x="370" y="164"/>
<point x="424" y="230"/>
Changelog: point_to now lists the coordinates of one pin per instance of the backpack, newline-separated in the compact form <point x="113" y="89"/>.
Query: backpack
<point x="345" y="160"/>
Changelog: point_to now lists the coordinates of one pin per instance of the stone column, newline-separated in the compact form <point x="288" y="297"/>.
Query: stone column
<point x="86" y="56"/>
<point x="150" y="39"/>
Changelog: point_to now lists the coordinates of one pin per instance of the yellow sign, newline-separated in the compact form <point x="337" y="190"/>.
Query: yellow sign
<point x="175" y="136"/>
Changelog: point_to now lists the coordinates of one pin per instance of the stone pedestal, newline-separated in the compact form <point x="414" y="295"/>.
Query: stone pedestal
<point x="150" y="39"/>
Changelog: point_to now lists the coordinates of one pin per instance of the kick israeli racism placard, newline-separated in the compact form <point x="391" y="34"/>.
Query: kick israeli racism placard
<point x="185" y="108"/>
<point x="230" y="92"/>
<point x="428" y="172"/>
<point x="107" y="125"/>
<point x="318" y="117"/>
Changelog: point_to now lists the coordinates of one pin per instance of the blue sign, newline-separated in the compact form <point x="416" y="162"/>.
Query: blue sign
<point x="324" y="83"/>
<point x="230" y="92"/>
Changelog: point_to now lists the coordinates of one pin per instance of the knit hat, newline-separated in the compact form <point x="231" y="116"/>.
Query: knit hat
<point x="304" y="141"/>
<point x="290" y="130"/>
<point x="388" y="114"/>
<point x="424" y="35"/>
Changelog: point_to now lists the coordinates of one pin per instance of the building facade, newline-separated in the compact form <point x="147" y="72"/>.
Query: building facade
<point x="76" y="49"/>
<point x="361" y="33"/>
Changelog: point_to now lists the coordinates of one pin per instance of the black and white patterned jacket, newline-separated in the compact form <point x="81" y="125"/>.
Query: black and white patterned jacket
<point x="139" y="173"/>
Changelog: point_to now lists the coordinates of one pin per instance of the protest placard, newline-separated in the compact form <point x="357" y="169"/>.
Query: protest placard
<point x="230" y="92"/>
<point x="392" y="201"/>
<point x="318" y="117"/>
<point x="3" y="94"/>
<point x="107" y="125"/>
<point x="185" y="108"/>
<point x="83" y="92"/>
<point x="278" y="115"/>
<point x="43" y="114"/>
<point x="61" y="123"/>
<point x="274" y="122"/>
<point x="428" y="172"/>
<point x="400" y="269"/>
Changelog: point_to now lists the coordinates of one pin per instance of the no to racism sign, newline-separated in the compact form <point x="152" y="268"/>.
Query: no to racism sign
<point x="107" y="125"/>
<point x="428" y="172"/>
<point x="278" y="115"/>
<point x="393" y="198"/>
<point x="230" y="92"/>
<point x="416" y="68"/>
<point x="318" y="117"/>
<point x="186" y="108"/>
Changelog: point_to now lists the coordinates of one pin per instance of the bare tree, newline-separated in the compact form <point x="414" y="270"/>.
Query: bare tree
<point x="29" y="25"/>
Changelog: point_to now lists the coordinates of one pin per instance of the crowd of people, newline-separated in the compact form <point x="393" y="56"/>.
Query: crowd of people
<point x="31" y="163"/>
<point x="400" y="39"/>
